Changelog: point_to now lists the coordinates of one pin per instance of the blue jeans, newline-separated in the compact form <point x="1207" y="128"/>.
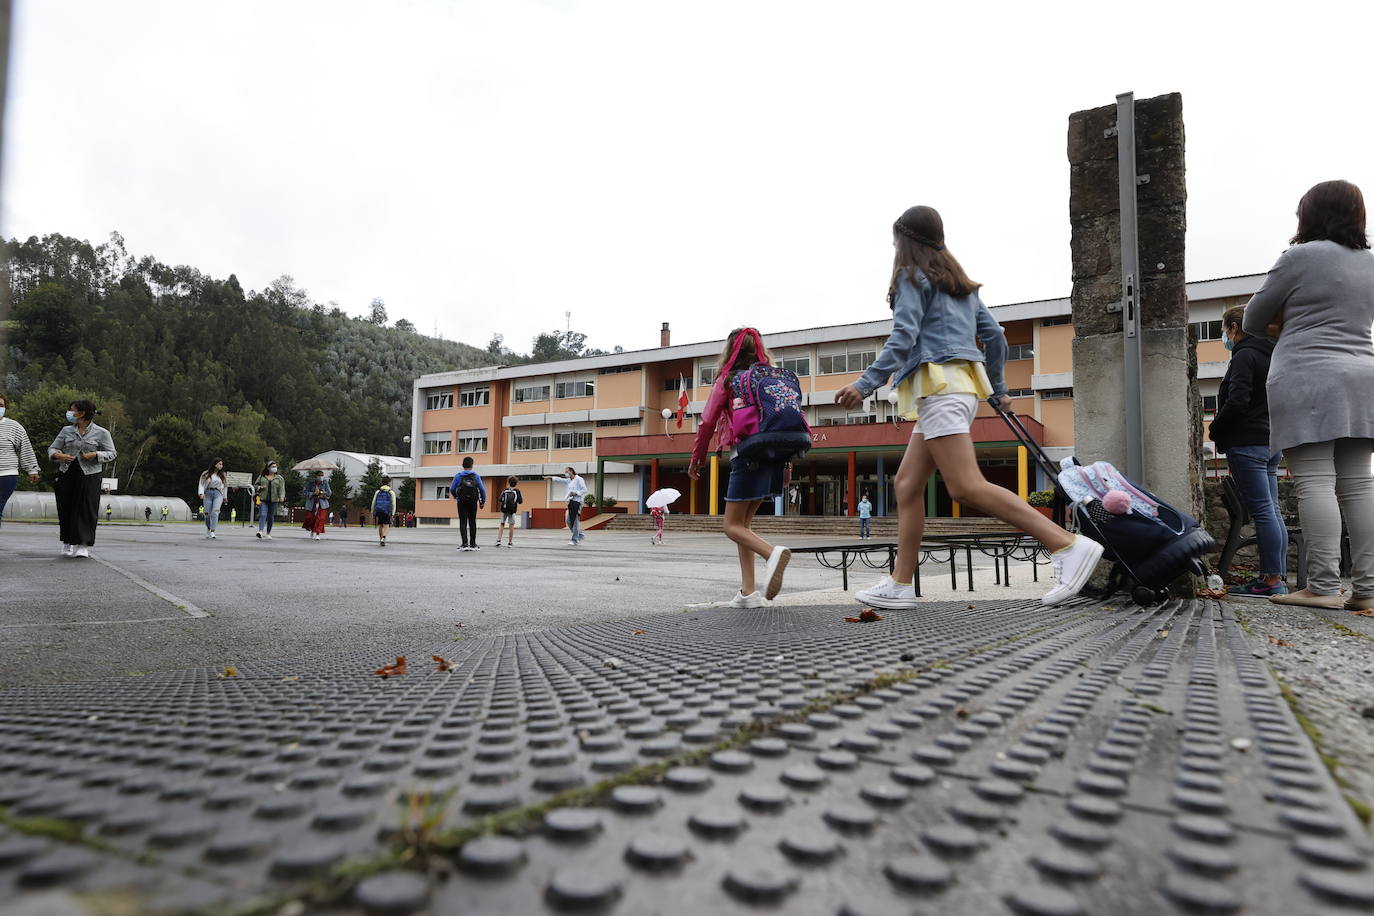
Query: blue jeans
<point x="1256" y="474"/>
<point x="266" y="513"/>
<point x="213" y="500"/>
<point x="8" y="483"/>
<point x="865" y="527"/>
<point x="575" y="521"/>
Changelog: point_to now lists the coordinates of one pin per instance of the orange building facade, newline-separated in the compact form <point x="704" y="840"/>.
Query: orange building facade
<point x="603" y="416"/>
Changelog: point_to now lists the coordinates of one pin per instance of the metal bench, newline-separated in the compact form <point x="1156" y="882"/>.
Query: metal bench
<point x="1235" y="540"/>
<point x="946" y="548"/>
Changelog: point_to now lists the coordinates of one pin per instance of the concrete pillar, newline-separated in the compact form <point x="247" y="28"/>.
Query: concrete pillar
<point x="1172" y="421"/>
<point x="882" y="487"/>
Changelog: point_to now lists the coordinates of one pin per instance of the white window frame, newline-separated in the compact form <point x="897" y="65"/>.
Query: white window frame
<point x="440" y="443"/>
<point x="520" y="395"/>
<point x="1020" y="351"/>
<point x="706" y="376"/>
<point x="865" y="358"/>
<point x="561" y="389"/>
<point x="441" y="401"/>
<point x="529" y="439"/>
<point x="1056" y="394"/>
<point x="795" y="363"/>
<point x="474" y="396"/>
<point x="576" y="436"/>
<point x="441" y="491"/>
<point x="473" y="440"/>
<point x="1204" y="329"/>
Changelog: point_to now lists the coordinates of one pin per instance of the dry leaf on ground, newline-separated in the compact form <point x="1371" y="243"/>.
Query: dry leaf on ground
<point x="1280" y="642"/>
<point x="395" y="670"/>
<point x="867" y="615"/>
<point x="1364" y="612"/>
<point x="444" y="664"/>
<point x="638" y="633"/>
<point x="231" y="671"/>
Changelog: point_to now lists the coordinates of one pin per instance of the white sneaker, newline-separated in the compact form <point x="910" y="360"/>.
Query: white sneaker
<point x="260" y="535"/>
<point x="212" y="536"/>
<point x="572" y="543"/>
<point x="753" y="599"/>
<point x="1072" y="567"/>
<point x="81" y="552"/>
<point x="889" y="596"/>
<point x="267" y="537"/>
<point x="68" y="550"/>
<point x="772" y="572"/>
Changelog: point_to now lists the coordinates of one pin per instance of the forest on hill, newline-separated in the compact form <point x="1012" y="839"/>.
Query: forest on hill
<point x="185" y="367"/>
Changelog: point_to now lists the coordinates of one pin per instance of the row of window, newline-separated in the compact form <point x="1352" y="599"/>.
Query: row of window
<point x="480" y="395"/>
<point x="468" y="396"/>
<point x="476" y="441"/>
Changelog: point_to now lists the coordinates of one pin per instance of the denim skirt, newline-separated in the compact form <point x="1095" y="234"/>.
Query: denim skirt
<point x="749" y="481"/>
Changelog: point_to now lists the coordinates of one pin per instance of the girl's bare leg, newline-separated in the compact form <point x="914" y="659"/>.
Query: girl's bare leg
<point x="738" y="518"/>
<point x="955" y="458"/>
<point x="910" y="486"/>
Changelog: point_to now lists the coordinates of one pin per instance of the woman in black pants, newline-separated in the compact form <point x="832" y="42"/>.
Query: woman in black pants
<point x="81" y="449"/>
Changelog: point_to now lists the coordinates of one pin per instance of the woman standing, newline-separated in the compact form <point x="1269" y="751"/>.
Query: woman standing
<point x="15" y="452"/>
<point x="1241" y="431"/>
<point x="1319" y="300"/>
<point x="271" y="490"/>
<point x="212" y="489"/>
<point x="82" y="448"/>
<point x="317" y="494"/>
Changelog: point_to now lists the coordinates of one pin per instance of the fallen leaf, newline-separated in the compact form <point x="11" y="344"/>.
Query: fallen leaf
<point x="231" y="671"/>
<point x="395" y="670"/>
<point x="294" y="677"/>
<point x="612" y="662"/>
<point x="638" y="633"/>
<point x="444" y="664"/>
<point x="1364" y="612"/>
<point x="969" y="607"/>
<point x="1162" y="633"/>
<point x="1279" y="642"/>
<point x="961" y="711"/>
<point x="867" y="615"/>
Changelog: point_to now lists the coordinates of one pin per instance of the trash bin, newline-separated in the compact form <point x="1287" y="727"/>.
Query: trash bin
<point x="525" y="520"/>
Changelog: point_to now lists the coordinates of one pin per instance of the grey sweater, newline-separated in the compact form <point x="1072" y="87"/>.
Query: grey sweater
<point x="16" y="452"/>
<point x="1321" y="380"/>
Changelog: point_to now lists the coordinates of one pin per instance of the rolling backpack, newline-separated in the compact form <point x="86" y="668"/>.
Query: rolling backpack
<point x="383" y="502"/>
<point x="467" y="489"/>
<point x="510" y="501"/>
<point x="770" y="426"/>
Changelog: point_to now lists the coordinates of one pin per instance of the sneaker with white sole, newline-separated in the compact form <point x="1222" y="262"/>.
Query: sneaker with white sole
<point x="1073" y="565"/>
<point x="773" y="570"/>
<point x="889" y="596"/>
<point x="81" y="552"/>
<point x="753" y="599"/>
<point x="68" y="549"/>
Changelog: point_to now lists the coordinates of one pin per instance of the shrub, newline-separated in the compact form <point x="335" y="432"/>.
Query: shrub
<point x="1041" y="498"/>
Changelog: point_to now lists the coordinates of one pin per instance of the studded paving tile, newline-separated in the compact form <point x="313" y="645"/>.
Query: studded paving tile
<point x="1080" y="759"/>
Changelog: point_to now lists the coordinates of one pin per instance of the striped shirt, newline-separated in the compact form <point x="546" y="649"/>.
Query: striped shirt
<point x="16" y="451"/>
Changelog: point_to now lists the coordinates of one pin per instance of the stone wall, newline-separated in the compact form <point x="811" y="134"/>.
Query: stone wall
<point x="1173" y="427"/>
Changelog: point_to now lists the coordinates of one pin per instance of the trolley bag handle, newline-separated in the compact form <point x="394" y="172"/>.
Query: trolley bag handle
<point x="1019" y="430"/>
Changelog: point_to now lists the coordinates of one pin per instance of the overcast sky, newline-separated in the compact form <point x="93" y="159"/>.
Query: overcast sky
<point x="486" y="167"/>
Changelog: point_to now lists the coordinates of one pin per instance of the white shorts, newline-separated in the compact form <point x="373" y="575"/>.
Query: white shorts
<point x="945" y="415"/>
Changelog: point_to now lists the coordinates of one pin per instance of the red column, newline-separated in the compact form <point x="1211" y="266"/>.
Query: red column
<point x="811" y="492"/>
<point x="653" y="478"/>
<point x="853" y="486"/>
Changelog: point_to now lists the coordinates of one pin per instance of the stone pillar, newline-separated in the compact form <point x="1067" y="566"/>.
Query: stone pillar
<point x="1173" y="429"/>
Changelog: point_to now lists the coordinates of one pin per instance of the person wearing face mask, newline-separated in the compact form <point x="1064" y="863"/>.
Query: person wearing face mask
<point x="271" y="490"/>
<point x="16" y="453"/>
<point x="317" y="493"/>
<point x="81" y="450"/>
<point x="576" y="495"/>
<point x="212" y="489"/>
<point x="1241" y="431"/>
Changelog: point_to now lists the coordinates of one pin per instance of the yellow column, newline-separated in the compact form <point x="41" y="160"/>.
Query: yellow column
<point x="955" y="506"/>
<point x="715" y="485"/>
<point x="692" y="497"/>
<point x="1022" y="472"/>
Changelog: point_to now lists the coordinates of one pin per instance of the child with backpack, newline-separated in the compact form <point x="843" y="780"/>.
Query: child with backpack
<point x="383" y="504"/>
<point x="510" y="500"/>
<point x="940" y="374"/>
<point x="755" y="409"/>
<point x="470" y="495"/>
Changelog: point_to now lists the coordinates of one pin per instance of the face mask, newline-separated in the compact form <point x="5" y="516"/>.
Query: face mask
<point x="1228" y="343"/>
<point x="71" y="417"/>
<point x="2" y="413"/>
<point x="271" y="469"/>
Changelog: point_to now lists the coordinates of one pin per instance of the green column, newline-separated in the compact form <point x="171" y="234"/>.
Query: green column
<point x="930" y="497"/>
<point x="600" y="484"/>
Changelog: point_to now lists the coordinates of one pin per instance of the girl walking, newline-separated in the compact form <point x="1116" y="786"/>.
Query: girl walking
<point x="940" y="375"/>
<point x="1318" y="299"/>
<point x="212" y="490"/>
<point x="81" y="449"/>
<point x="751" y="482"/>
<point x="659" y="515"/>
<point x="271" y="491"/>
<point x="317" y="493"/>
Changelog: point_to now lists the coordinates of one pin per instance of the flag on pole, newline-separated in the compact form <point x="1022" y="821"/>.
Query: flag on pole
<point x="682" y="400"/>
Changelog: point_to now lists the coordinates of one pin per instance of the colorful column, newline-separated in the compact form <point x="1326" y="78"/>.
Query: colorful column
<point x="955" y="504"/>
<point x="714" y="508"/>
<point x="882" y="487"/>
<point x="692" y="497"/>
<point x="642" y="495"/>
<point x="778" y="505"/>
<point x="1022" y="472"/>
<point x="653" y="476"/>
<point x="930" y="497"/>
<point x="811" y="492"/>
<point x="600" y="484"/>
<point x="852" y="485"/>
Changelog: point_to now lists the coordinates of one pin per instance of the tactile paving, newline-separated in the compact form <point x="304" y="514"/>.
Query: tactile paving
<point x="998" y="757"/>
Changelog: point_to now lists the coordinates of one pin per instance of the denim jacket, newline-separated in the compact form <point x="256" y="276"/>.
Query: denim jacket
<point x="71" y="441"/>
<point x="931" y="326"/>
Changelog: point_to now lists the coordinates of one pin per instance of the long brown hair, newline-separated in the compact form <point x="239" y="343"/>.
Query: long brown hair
<point x="751" y="351"/>
<point x="919" y="238"/>
<point x="1332" y="211"/>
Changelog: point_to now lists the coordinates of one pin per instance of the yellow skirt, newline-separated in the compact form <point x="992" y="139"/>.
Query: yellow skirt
<point x="958" y="376"/>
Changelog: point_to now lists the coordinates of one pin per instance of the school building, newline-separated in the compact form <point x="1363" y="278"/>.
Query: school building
<point x="604" y="416"/>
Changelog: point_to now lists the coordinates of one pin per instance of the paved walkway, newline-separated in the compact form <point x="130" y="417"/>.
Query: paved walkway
<point x="965" y="758"/>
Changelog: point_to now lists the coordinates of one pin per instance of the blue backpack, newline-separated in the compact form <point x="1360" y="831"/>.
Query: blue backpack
<point x="770" y="426"/>
<point x="384" y="502"/>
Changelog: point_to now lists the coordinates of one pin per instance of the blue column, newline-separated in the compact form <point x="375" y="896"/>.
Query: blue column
<point x="643" y="476"/>
<point x="882" y="487"/>
<point x="777" y="505"/>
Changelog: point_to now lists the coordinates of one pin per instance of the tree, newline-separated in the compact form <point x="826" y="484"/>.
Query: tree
<point x="338" y="485"/>
<point x="172" y="459"/>
<point x="377" y="312"/>
<point x="368" y="484"/>
<point x="404" y="325"/>
<point x="47" y="320"/>
<point x="405" y="499"/>
<point x="295" y="483"/>
<point x="555" y="345"/>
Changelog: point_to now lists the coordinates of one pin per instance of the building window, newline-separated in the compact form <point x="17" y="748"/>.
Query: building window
<point x="526" y="443"/>
<point x="1020" y="351"/>
<point x="616" y="370"/>
<point x="472" y="440"/>
<point x="847" y="362"/>
<point x="708" y="375"/>
<point x="439" y="401"/>
<point x="1056" y="394"/>
<point x="670" y="384"/>
<point x="474" y="396"/>
<point x="531" y="393"/>
<point x="1209" y="404"/>
<point x="573" y="440"/>
<point x="574" y="389"/>
<point x="801" y="365"/>
<point x="1021" y="392"/>
<point x="441" y="491"/>
<point x="438" y="443"/>
<point x="1056" y="322"/>
<point x="1207" y="330"/>
<point x="629" y="421"/>
<point x="856" y="419"/>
